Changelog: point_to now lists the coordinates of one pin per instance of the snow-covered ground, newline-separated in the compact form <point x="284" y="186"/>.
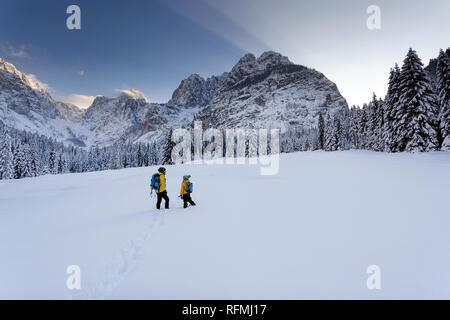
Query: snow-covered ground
<point x="310" y="231"/>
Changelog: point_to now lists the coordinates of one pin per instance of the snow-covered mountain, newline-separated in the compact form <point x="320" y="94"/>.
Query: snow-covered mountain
<point x="69" y="111"/>
<point x="26" y="104"/>
<point x="29" y="80"/>
<point x="196" y="91"/>
<point x="269" y="91"/>
<point x="131" y="117"/>
<point x="109" y="119"/>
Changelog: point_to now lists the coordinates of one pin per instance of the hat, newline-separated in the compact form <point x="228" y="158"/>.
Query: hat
<point x="186" y="177"/>
<point x="162" y="169"/>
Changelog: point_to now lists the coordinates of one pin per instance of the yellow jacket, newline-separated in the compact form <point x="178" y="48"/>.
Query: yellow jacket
<point x="183" y="187"/>
<point x="162" y="183"/>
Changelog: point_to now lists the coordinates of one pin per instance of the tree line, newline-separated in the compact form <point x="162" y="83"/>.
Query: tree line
<point x="413" y="117"/>
<point x="24" y="154"/>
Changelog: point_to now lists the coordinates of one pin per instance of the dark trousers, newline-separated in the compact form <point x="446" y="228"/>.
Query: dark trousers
<point x="160" y="196"/>
<point x="186" y="199"/>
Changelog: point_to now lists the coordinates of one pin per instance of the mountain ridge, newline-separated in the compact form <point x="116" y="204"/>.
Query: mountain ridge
<point x="264" y="91"/>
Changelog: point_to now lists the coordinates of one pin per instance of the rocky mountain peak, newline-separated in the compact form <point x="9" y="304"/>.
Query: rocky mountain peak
<point x="265" y="92"/>
<point x="29" y="80"/>
<point x="196" y="91"/>
<point x="271" y="59"/>
<point x="249" y="64"/>
<point x="271" y="92"/>
<point x="133" y="93"/>
<point x="99" y="100"/>
<point x="246" y="65"/>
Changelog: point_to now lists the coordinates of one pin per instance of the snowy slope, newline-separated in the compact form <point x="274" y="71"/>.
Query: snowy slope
<point x="25" y="104"/>
<point x="309" y="232"/>
<point x="131" y="118"/>
<point x="69" y="111"/>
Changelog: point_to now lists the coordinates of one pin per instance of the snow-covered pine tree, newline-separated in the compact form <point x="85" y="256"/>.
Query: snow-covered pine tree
<point x="353" y="128"/>
<point x="417" y="108"/>
<point x="116" y="156"/>
<point x="362" y="127"/>
<point x="62" y="168"/>
<point x="167" y="151"/>
<point x="106" y="158"/>
<point x="390" y="105"/>
<point x="94" y="159"/>
<point x="139" y="156"/>
<point x="153" y="154"/>
<point x="332" y="133"/>
<point x="146" y="155"/>
<point x="130" y="156"/>
<point x="20" y="161"/>
<point x="443" y="91"/>
<point x="6" y="156"/>
<point x="336" y="142"/>
<point x="374" y="124"/>
<point x="52" y="165"/>
<point x="33" y="162"/>
<point x="286" y="144"/>
<point x="379" y="142"/>
<point x="371" y="126"/>
<point x="27" y="172"/>
<point x="328" y="133"/>
<point x="344" y="119"/>
<point x="321" y="132"/>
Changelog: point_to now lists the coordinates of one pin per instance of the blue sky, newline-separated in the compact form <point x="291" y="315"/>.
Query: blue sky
<point x="153" y="44"/>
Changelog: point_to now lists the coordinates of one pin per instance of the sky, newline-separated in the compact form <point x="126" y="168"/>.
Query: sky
<point x="154" y="44"/>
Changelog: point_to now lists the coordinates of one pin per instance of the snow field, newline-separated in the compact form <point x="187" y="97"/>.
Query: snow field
<point x="310" y="231"/>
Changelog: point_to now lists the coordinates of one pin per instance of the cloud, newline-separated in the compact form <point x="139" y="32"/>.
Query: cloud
<point x="134" y="93"/>
<point x="80" y="73"/>
<point x="80" y="100"/>
<point x="14" y="52"/>
<point x="37" y="84"/>
<point x="20" y="53"/>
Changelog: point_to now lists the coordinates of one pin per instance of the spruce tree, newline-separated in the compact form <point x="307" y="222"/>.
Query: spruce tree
<point x="328" y="133"/>
<point x="362" y="130"/>
<point x="27" y="172"/>
<point x="167" y="152"/>
<point x="337" y="134"/>
<point x="353" y="129"/>
<point x="321" y="132"/>
<point x="6" y="157"/>
<point x="416" y="114"/>
<point x="379" y="142"/>
<point x="375" y="124"/>
<point x="153" y="154"/>
<point x="146" y="155"/>
<point x="20" y="161"/>
<point x="61" y="164"/>
<point x="52" y="167"/>
<point x="35" y="166"/>
<point x="443" y="92"/>
<point x="390" y="106"/>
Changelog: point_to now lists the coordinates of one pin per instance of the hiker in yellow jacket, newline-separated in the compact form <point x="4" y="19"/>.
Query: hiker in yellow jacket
<point x="185" y="192"/>
<point x="160" y="188"/>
